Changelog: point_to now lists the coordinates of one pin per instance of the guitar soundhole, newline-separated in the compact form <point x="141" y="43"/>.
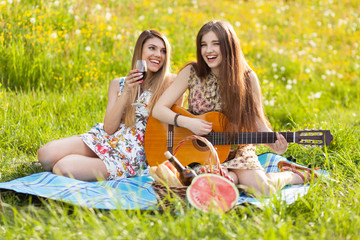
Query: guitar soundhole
<point x="200" y="146"/>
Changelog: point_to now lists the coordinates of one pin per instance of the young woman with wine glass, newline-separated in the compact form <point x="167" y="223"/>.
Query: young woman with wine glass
<point x="114" y="149"/>
<point x="221" y="80"/>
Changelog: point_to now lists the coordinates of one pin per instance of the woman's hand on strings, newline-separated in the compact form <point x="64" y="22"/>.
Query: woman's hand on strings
<point x="199" y="126"/>
<point x="280" y="146"/>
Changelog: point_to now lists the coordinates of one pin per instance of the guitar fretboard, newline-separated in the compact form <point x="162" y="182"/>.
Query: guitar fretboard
<point x="223" y="138"/>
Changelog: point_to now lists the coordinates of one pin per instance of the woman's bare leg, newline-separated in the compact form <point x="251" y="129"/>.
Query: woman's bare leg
<point x="264" y="184"/>
<point x="81" y="167"/>
<point x="282" y="179"/>
<point x="255" y="181"/>
<point x="49" y="154"/>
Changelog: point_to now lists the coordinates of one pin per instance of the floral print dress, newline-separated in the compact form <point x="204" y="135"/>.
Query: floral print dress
<point x="204" y="96"/>
<point x="122" y="152"/>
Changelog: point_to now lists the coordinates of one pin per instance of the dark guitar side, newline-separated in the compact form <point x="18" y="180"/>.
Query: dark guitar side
<point x="156" y="140"/>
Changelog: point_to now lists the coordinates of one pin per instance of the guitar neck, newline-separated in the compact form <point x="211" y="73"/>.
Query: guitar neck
<point x="224" y="138"/>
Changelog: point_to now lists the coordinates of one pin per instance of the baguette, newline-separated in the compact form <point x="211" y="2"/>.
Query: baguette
<point x="152" y="172"/>
<point x="166" y="175"/>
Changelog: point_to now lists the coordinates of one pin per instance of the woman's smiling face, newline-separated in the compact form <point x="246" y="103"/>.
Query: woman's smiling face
<point x="210" y="51"/>
<point x="154" y="53"/>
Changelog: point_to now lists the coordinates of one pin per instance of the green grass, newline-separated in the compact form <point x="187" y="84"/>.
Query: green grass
<point x="58" y="57"/>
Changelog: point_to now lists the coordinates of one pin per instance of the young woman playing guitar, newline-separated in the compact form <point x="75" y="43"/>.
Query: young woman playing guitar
<point x="221" y="80"/>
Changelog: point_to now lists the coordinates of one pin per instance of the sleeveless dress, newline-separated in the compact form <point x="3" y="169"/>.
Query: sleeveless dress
<point x="123" y="151"/>
<point x="204" y="96"/>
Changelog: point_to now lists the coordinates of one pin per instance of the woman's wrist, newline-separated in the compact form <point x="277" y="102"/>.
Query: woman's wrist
<point x="176" y="119"/>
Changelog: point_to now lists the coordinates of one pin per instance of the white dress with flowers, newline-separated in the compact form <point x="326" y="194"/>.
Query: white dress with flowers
<point x="122" y="152"/>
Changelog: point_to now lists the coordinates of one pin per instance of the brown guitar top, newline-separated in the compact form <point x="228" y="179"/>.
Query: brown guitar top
<point x="156" y="140"/>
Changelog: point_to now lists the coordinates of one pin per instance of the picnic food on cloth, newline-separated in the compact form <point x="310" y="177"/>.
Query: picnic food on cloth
<point x="186" y="175"/>
<point x="211" y="192"/>
<point x="166" y="173"/>
<point x="212" y="198"/>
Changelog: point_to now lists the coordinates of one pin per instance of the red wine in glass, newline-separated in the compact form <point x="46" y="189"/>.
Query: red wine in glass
<point x="141" y="66"/>
<point x="143" y="75"/>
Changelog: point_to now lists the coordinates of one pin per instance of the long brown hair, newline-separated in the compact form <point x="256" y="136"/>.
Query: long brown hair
<point x="157" y="81"/>
<point x="237" y="100"/>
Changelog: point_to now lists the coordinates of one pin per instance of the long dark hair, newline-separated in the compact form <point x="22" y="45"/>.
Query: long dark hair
<point x="237" y="101"/>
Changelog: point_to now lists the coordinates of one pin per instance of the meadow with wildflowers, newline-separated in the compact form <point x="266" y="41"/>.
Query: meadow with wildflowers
<point x="58" y="57"/>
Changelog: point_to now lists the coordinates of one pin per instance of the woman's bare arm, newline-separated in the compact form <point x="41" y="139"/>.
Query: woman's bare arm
<point x="163" y="112"/>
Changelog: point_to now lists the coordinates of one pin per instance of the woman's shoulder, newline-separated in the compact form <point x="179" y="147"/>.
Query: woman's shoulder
<point x="117" y="84"/>
<point x="117" y="81"/>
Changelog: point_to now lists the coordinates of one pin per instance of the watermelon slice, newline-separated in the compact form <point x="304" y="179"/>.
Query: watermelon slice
<point x="212" y="193"/>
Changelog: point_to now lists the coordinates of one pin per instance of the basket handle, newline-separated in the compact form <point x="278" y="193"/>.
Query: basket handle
<point x="214" y="154"/>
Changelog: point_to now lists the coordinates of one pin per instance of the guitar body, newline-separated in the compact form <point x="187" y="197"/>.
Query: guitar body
<point x="156" y="140"/>
<point x="161" y="137"/>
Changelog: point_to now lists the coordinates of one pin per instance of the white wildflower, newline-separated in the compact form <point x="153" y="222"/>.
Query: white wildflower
<point x="142" y="17"/>
<point x="117" y="37"/>
<point x="71" y="10"/>
<point x="3" y="3"/>
<point x="98" y="7"/>
<point x="307" y="70"/>
<point x="32" y="20"/>
<point x="56" y="3"/>
<point x="237" y="24"/>
<point x="323" y="77"/>
<point x="108" y="16"/>
<point x="312" y="43"/>
<point x="316" y="95"/>
<point x="282" y="68"/>
<point x="276" y="76"/>
<point x="269" y="102"/>
<point x="88" y="49"/>
<point x="10" y="1"/>
<point x="54" y="35"/>
<point x="289" y="86"/>
<point x="170" y="10"/>
<point x="77" y="31"/>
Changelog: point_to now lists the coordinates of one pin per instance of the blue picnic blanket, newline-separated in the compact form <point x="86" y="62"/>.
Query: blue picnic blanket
<point x="128" y="193"/>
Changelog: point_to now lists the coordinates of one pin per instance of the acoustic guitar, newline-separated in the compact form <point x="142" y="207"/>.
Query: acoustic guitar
<point x="161" y="137"/>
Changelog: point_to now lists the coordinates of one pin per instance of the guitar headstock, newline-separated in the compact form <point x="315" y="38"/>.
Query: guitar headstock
<point x="313" y="137"/>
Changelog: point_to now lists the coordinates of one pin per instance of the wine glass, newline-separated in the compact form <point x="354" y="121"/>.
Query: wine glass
<point x="141" y="66"/>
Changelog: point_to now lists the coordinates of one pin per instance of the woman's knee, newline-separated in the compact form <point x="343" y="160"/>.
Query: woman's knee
<point x="45" y="156"/>
<point x="61" y="169"/>
<point x="256" y="181"/>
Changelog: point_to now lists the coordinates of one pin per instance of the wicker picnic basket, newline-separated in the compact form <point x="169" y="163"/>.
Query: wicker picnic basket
<point x="166" y="195"/>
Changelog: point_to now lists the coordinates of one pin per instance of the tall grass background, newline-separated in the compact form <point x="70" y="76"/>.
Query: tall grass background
<point x="58" y="57"/>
